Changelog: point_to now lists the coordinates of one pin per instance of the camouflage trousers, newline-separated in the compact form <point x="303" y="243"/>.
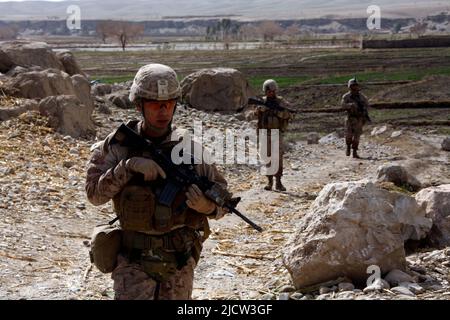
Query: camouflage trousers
<point x="132" y="283"/>
<point x="279" y="172"/>
<point x="354" y="129"/>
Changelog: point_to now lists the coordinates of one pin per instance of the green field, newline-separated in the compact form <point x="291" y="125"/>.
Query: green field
<point x="298" y="72"/>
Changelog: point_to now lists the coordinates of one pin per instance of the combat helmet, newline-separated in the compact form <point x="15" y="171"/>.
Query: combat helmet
<point x="270" y="84"/>
<point x="352" y="81"/>
<point x="155" y="82"/>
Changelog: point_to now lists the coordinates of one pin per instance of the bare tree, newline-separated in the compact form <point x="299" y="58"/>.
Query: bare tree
<point x="104" y="29"/>
<point x="269" y="30"/>
<point x="419" y="29"/>
<point x="293" y="31"/>
<point x="396" y="28"/>
<point x="125" y="32"/>
<point x="248" y="32"/>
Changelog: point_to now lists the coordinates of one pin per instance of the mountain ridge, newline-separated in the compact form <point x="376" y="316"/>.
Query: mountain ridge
<point x="248" y="10"/>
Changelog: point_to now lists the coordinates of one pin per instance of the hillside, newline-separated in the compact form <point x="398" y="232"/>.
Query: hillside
<point x="251" y="9"/>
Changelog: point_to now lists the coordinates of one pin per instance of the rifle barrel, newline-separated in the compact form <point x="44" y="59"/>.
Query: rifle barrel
<point x="254" y="225"/>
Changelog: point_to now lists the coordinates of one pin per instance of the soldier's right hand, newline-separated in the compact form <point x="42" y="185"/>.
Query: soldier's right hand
<point x="149" y="168"/>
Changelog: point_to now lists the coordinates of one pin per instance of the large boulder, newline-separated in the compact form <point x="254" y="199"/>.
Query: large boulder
<point x="69" y="63"/>
<point x="82" y="89"/>
<point x="26" y="54"/>
<point x="351" y="226"/>
<point x="68" y="115"/>
<point x="436" y="201"/>
<point x="40" y="84"/>
<point x="101" y="89"/>
<point x="220" y="89"/>
<point x="120" y="99"/>
<point x="6" y="62"/>
<point x="15" y="111"/>
<point x="398" y="175"/>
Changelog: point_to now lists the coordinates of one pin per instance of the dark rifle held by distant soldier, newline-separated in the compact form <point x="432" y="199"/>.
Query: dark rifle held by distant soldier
<point x="271" y="104"/>
<point x="361" y="107"/>
<point x="179" y="176"/>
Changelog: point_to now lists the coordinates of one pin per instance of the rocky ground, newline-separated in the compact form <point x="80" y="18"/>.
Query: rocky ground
<point x="46" y="219"/>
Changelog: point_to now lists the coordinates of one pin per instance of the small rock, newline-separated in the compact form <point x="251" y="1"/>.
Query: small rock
<point x="346" y="295"/>
<point x="324" y="290"/>
<point x="253" y="294"/>
<point x="104" y="109"/>
<point x="413" y="287"/>
<point x="268" y="296"/>
<point x="7" y="171"/>
<point x="323" y="296"/>
<point x="377" y="285"/>
<point x="329" y="139"/>
<point x="396" y="134"/>
<point x="346" y="286"/>
<point x="74" y="151"/>
<point x="313" y="138"/>
<point x="68" y="164"/>
<point x="402" y="290"/>
<point x="378" y="130"/>
<point x="287" y="288"/>
<point x="296" y="296"/>
<point x="395" y="277"/>
<point x="283" y="296"/>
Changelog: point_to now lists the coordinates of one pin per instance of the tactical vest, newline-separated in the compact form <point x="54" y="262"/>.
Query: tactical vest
<point x="139" y="208"/>
<point x="360" y="111"/>
<point x="271" y="120"/>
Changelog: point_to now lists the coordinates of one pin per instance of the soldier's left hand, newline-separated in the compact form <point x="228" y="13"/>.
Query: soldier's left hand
<point x="198" y="201"/>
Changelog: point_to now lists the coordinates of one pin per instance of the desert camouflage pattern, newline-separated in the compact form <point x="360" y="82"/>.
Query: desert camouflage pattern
<point x="355" y="119"/>
<point x="107" y="174"/>
<point x="155" y="82"/>
<point x="132" y="283"/>
<point x="276" y="120"/>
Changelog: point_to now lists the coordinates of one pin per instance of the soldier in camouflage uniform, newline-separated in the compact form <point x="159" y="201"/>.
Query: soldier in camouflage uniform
<point x="273" y="119"/>
<point x="160" y="246"/>
<point x="356" y="105"/>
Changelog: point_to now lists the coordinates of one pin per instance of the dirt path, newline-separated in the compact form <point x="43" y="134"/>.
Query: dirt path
<point x="46" y="220"/>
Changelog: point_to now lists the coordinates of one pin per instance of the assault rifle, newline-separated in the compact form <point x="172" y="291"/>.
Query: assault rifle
<point x="362" y="108"/>
<point x="271" y="104"/>
<point x="178" y="176"/>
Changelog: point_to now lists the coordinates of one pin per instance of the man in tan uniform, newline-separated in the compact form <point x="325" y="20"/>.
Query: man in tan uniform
<point x="356" y="105"/>
<point x="271" y="118"/>
<point x="160" y="245"/>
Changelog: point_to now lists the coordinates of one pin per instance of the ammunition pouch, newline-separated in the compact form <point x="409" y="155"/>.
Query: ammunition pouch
<point x="135" y="207"/>
<point x="269" y="120"/>
<point x="159" y="267"/>
<point x="161" y="256"/>
<point x="138" y="209"/>
<point x="105" y="246"/>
